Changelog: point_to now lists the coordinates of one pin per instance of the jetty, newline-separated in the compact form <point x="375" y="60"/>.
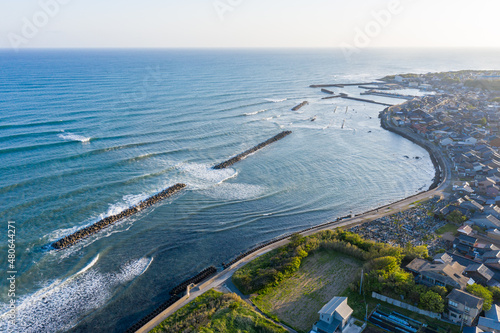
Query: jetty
<point x="386" y="94"/>
<point x="298" y="107"/>
<point x="341" y="85"/>
<point x="241" y="156"/>
<point x="366" y="100"/>
<point x="330" y="97"/>
<point x="371" y="88"/>
<point x="110" y="220"/>
<point x="327" y="91"/>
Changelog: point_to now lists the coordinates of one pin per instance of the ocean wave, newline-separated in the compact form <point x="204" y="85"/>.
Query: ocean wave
<point x="202" y="176"/>
<point x="74" y="137"/>
<point x="234" y="191"/>
<point x="58" y="306"/>
<point x="113" y="209"/>
<point x="254" y="113"/>
<point x="276" y="100"/>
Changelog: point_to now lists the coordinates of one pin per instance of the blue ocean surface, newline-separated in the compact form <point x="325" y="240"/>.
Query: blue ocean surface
<point x="85" y="134"/>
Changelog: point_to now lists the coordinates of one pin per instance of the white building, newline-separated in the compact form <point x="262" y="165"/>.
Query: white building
<point x="333" y="316"/>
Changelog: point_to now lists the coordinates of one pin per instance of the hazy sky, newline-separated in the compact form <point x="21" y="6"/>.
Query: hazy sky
<point x="249" y="23"/>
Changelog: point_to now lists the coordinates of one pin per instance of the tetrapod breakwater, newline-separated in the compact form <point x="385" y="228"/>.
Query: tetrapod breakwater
<point x="241" y="156"/>
<point x="110" y="220"/>
<point x="298" y="107"/>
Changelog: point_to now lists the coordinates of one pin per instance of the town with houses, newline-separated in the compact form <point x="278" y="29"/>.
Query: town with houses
<point x="438" y="256"/>
<point x="462" y="119"/>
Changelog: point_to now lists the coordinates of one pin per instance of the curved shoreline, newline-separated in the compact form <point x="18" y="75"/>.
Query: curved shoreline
<point x="441" y="182"/>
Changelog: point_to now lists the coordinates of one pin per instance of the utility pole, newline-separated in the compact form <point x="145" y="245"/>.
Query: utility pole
<point x="361" y="283"/>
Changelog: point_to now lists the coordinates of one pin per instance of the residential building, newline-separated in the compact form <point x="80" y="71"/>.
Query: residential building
<point x="463" y="307"/>
<point x="479" y="273"/>
<point x="447" y="274"/>
<point x="491" y="320"/>
<point x="333" y="316"/>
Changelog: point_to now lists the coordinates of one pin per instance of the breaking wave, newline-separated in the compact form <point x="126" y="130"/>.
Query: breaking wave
<point x="74" y="137"/>
<point x="58" y="306"/>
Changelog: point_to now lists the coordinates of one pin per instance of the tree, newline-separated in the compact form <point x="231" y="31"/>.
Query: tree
<point x="385" y="265"/>
<point x="431" y="301"/>
<point x="456" y="217"/>
<point x="442" y="291"/>
<point x="412" y="252"/>
<point x="496" y="293"/>
<point x="480" y="291"/>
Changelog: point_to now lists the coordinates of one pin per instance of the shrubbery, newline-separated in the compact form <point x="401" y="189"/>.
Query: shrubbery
<point x="217" y="312"/>
<point x="483" y="292"/>
<point x="382" y="268"/>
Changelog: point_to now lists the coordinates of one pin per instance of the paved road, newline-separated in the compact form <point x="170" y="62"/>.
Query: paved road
<point x="390" y="209"/>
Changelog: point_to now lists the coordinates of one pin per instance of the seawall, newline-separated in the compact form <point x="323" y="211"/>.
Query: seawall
<point x="241" y="156"/>
<point x="110" y="220"/>
<point x="436" y="157"/>
<point x="175" y="296"/>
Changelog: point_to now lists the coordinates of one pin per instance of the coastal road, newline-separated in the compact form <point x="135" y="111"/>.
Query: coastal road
<point x="390" y="209"/>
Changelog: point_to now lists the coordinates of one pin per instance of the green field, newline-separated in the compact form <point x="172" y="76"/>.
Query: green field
<point x="450" y="227"/>
<point x="297" y="300"/>
<point x="217" y="312"/>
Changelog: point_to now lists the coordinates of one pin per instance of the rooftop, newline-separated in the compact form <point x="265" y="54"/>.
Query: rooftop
<point x="465" y="298"/>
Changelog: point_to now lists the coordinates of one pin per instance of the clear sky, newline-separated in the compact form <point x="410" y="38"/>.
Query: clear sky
<point x="249" y="23"/>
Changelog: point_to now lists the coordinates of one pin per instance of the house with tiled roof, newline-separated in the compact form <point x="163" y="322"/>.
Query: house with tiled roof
<point x="463" y="307"/>
<point x="436" y="274"/>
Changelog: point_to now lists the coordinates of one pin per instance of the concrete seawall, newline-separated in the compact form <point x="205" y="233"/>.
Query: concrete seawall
<point x="174" y="297"/>
<point x="436" y="158"/>
<point x="241" y="156"/>
<point x="110" y="220"/>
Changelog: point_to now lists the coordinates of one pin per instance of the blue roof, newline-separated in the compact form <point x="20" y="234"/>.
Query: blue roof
<point x="328" y="328"/>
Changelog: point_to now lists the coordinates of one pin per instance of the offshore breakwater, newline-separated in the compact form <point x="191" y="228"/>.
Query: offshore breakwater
<point x="110" y="220"/>
<point x="241" y="156"/>
<point x="301" y="105"/>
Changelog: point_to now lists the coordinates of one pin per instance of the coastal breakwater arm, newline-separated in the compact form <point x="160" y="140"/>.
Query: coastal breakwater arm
<point x="110" y="220"/>
<point x="241" y="156"/>
<point x="298" y="107"/>
<point x="365" y="100"/>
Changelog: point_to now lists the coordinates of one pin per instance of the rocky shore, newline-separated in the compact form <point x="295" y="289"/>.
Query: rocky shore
<point x="241" y="156"/>
<point x="107" y="221"/>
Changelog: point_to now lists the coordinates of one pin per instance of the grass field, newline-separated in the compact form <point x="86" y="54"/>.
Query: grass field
<point x="217" y="312"/>
<point x="447" y="228"/>
<point x="297" y="300"/>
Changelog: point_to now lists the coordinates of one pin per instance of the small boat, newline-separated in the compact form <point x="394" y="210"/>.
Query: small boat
<point x="313" y="118"/>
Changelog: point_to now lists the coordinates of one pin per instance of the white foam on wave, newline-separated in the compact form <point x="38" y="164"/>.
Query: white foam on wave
<point x="276" y="100"/>
<point x="202" y="176"/>
<point x="114" y="209"/>
<point x="230" y="191"/>
<point x="58" y="306"/>
<point x="254" y="113"/>
<point x="74" y="137"/>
